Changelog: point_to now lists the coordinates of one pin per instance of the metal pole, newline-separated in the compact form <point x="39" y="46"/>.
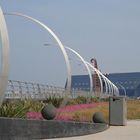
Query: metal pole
<point x="5" y="57"/>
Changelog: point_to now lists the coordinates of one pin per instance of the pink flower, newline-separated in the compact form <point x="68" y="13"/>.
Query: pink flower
<point x="77" y="107"/>
<point x="34" y="115"/>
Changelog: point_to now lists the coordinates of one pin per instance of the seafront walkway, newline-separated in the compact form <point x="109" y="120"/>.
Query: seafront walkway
<point x="129" y="132"/>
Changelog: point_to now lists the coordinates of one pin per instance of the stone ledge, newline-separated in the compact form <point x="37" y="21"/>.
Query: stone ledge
<point x="16" y="129"/>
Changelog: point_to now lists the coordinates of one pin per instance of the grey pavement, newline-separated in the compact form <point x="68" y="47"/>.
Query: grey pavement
<point x="129" y="132"/>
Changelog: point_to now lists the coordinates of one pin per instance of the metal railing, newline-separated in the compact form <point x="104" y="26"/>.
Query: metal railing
<point x="28" y="90"/>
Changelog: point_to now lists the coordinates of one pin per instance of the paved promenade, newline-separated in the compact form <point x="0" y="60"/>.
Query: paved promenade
<point x="129" y="132"/>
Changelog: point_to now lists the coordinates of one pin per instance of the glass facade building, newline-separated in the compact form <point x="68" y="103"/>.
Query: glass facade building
<point x="127" y="83"/>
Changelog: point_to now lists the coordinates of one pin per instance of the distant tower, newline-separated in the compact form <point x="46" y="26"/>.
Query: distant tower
<point x="96" y="80"/>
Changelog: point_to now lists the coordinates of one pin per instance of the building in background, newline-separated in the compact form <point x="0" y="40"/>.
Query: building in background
<point x="127" y="83"/>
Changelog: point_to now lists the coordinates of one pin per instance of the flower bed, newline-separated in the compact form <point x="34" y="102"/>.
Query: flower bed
<point x="79" y="112"/>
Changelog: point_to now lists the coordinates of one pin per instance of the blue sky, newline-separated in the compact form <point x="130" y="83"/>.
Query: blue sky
<point x="108" y="30"/>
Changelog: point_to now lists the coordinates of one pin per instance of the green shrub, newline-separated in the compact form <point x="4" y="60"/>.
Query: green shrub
<point x="18" y="109"/>
<point x="53" y="100"/>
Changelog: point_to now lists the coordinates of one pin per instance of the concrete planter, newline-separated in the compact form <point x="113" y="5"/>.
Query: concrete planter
<point x="16" y="129"/>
